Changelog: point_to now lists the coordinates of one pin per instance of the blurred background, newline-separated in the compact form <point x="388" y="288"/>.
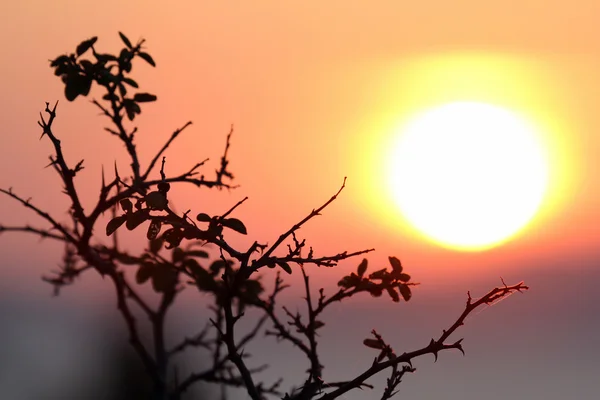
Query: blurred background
<point x="315" y="92"/>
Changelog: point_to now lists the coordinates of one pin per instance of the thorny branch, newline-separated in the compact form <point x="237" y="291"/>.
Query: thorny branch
<point x="232" y="289"/>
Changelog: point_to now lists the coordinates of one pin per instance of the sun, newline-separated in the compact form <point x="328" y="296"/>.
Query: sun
<point x="468" y="175"/>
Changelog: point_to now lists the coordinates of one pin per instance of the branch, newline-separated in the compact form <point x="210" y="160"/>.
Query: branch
<point x="297" y="226"/>
<point x="163" y="149"/>
<point x="43" y="233"/>
<point x="42" y="214"/>
<point x="60" y="164"/>
<point x="434" y="347"/>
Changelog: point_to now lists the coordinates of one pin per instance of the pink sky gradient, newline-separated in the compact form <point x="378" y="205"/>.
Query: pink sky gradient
<point x="310" y="88"/>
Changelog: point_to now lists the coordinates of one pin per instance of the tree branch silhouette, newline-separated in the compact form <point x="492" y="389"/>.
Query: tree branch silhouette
<point x="175" y="258"/>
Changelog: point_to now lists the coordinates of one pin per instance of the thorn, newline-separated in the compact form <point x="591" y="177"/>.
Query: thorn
<point x="117" y="171"/>
<point x="458" y="345"/>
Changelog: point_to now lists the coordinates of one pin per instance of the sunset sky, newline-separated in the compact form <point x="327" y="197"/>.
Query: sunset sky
<point x="318" y="91"/>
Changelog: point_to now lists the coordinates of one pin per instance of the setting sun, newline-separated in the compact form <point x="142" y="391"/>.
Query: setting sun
<point x="468" y="175"/>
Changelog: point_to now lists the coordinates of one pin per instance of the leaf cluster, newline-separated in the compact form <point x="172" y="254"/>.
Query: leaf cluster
<point x="111" y="71"/>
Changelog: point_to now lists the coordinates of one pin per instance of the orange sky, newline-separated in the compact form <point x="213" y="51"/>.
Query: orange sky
<point x="313" y="89"/>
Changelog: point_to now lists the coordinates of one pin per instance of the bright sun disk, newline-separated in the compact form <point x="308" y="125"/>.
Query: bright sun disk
<point x="468" y="175"/>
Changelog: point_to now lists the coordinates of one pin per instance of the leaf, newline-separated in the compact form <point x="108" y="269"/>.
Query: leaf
<point x="130" y="82"/>
<point x="285" y="266"/>
<point x="59" y="61"/>
<point x="127" y="259"/>
<point x="235" y="224"/>
<point x="77" y="84"/>
<point x="405" y="292"/>
<point x="177" y="255"/>
<point x="155" y="245"/>
<point x="144" y="97"/>
<point x="87" y="65"/>
<point x="105" y="57"/>
<point x="197" y="253"/>
<point x="404" y="277"/>
<point x="203" y="279"/>
<point x="114" y="224"/>
<point x="126" y="205"/>
<point x="362" y="267"/>
<point x="396" y="265"/>
<point x="110" y="96"/>
<point x="153" y="229"/>
<point x="202" y="217"/>
<point x="393" y="294"/>
<point x="147" y="58"/>
<point x="125" y="40"/>
<point x="218" y="265"/>
<point x="131" y="108"/>
<point x="379" y="274"/>
<point x="253" y="288"/>
<point x="164" y="278"/>
<point x="135" y="219"/>
<point x="144" y="272"/>
<point x="373" y="343"/>
<point x="345" y="282"/>
<point x="85" y="45"/>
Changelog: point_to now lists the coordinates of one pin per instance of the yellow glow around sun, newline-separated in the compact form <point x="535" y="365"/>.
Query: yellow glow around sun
<point x="468" y="175"/>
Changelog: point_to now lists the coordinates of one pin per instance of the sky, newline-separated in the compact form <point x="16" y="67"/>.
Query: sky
<point x="316" y="92"/>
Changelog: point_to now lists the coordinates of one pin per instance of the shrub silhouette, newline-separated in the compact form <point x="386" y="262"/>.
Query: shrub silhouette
<point x="174" y="261"/>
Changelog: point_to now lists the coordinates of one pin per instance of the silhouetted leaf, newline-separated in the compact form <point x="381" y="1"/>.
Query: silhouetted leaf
<point x="155" y="245"/>
<point x="373" y="343"/>
<point x="362" y="267"/>
<point x="85" y="45"/>
<point x="203" y="279"/>
<point x="396" y="265"/>
<point x="123" y="91"/>
<point x="404" y="277"/>
<point x="153" y="229"/>
<point x="202" y="217"/>
<point x="173" y="237"/>
<point x="144" y="97"/>
<point x="253" y="288"/>
<point x="345" y="282"/>
<point x="114" y="224"/>
<point x="405" y="292"/>
<point x="126" y="205"/>
<point x="218" y="265"/>
<point x="164" y="278"/>
<point x="135" y="219"/>
<point x="379" y="274"/>
<point x="132" y="108"/>
<point x="376" y="291"/>
<point x="110" y="96"/>
<point x="105" y="57"/>
<point x="177" y="255"/>
<point x="127" y="259"/>
<point x="235" y="224"/>
<point x="77" y="84"/>
<point x="147" y="57"/>
<point x="125" y="40"/>
<point x="197" y="253"/>
<point x="285" y="266"/>
<point x="87" y="65"/>
<point x="60" y="60"/>
<point x="130" y="82"/>
<point x="156" y="200"/>
<point x="144" y="272"/>
<point x="393" y="294"/>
